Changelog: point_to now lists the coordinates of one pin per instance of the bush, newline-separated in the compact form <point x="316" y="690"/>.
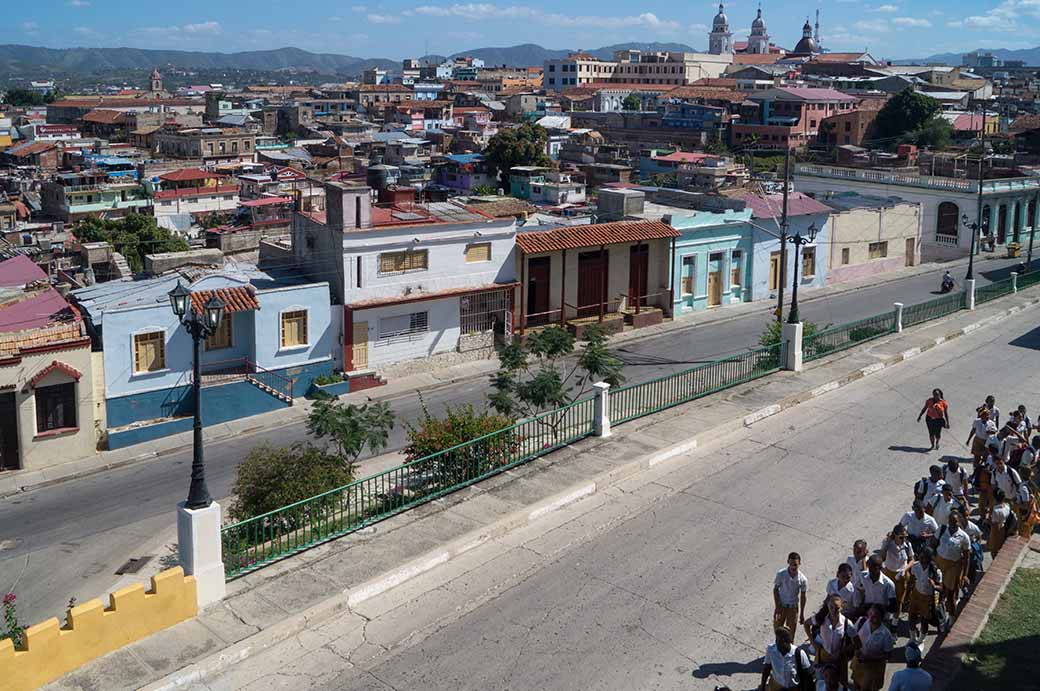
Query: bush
<point x="459" y="425"/>
<point x="326" y="379"/>
<point x="771" y="334"/>
<point x="272" y="477"/>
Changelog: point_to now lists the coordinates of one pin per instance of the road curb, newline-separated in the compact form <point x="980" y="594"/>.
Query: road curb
<point x="349" y="598"/>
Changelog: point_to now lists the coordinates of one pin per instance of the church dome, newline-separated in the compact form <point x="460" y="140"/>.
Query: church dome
<point x="806" y="46"/>
<point x="721" y="22"/>
<point x="757" y="22"/>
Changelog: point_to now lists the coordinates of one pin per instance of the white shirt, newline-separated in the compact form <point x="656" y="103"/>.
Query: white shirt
<point x="983" y="429"/>
<point x="785" y="671"/>
<point x="921" y="582"/>
<point x="879" y="592"/>
<point x="857" y="569"/>
<point x="790" y="587"/>
<point x="955" y="480"/>
<point x="941" y="509"/>
<point x="911" y="679"/>
<point x="999" y="514"/>
<point x="953" y="545"/>
<point x="831" y="635"/>
<point x="1008" y="480"/>
<point x="973" y="531"/>
<point x="918" y="526"/>
<point x="898" y="556"/>
<point x="875" y="642"/>
<point x="847" y="594"/>
<point x="932" y="489"/>
<point x="1021" y="494"/>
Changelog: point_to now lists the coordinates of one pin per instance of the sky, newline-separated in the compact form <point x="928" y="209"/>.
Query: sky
<point x="393" y="29"/>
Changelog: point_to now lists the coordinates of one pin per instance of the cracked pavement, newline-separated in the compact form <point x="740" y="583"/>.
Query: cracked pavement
<point x="663" y="581"/>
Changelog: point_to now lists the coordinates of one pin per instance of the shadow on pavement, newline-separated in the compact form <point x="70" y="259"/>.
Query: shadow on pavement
<point x="1029" y="340"/>
<point x="910" y="449"/>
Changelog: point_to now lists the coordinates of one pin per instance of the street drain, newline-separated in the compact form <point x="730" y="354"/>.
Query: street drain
<point x="132" y="566"/>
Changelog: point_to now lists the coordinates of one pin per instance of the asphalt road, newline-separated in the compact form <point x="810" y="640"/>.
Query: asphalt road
<point x="67" y="540"/>
<point x="675" y="595"/>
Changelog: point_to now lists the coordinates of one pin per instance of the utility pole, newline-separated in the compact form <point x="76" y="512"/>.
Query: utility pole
<point x="783" y="240"/>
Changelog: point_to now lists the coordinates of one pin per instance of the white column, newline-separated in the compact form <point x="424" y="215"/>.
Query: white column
<point x="1014" y="281"/>
<point x="601" y="424"/>
<point x="969" y="293"/>
<point x="198" y="547"/>
<point x="791" y="336"/>
<point x="899" y="316"/>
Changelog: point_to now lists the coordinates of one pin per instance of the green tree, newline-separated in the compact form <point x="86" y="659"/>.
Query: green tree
<point x="132" y="236"/>
<point x="907" y="111"/>
<point x="271" y="477"/>
<point x="936" y="133"/>
<point x="25" y="98"/>
<point x="631" y="102"/>
<point x="516" y="146"/>
<point x="484" y="190"/>
<point x="350" y="428"/>
<point x="666" y="180"/>
<point x="717" y="147"/>
<point x="771" y="334"/>
<point x="541" y="375"/>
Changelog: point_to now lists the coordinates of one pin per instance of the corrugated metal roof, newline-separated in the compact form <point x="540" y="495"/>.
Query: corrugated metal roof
<point x="573" y="237"/>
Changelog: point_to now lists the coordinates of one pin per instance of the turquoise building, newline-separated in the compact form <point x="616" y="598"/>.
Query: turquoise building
<point x="712" y="259"/>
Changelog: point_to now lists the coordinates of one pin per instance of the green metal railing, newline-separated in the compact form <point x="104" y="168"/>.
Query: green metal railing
<point x="993" y="291"/>
<point x="255" y="542"/>
<point x="933" y="309"/>
<point x="847" y="335"/>
<point x="1029" y="279"/>
<point x="636" y="400"/>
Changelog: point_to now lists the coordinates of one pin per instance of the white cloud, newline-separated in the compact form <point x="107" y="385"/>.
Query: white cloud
<point x="912" y="22"/>
<point x="886" y="8"/>
<point x="30" y="26"/>
<point x="872" y="25"/>
<point x="484" y="10"/>
<point x="936" y="13"/>
<point x="78" y="3"/>
<point x="360" y="9"/>
<point x="383" y="19"/>
<point x="210" y="27"/>
<point x="1010" y="15"/>
<point x="698" y="27"/>
<point x="85" y="31"/>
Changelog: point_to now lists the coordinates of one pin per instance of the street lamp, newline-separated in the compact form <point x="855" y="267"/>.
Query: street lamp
<point x="975" y="228"/>
<point x="797" y="240"/>
<point x="199" y="326"/>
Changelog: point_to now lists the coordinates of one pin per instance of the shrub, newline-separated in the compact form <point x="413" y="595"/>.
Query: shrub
<point x="12" y="629"/>
<point x="771" y="334"/>
<point x="272" y="477"/>
<point x="350" y="428"/>
<point x="326" y="379"/>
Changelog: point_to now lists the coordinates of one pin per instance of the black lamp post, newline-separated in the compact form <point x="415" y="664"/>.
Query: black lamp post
<point x="199" y="326"/>
<point x="797" y="240"/>
<point x="975" y="228"/>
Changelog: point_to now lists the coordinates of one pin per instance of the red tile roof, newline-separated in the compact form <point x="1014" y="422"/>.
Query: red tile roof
<point x="770" y="206"/>
<point x="573" y="237"/>
<point x="239" y="299"/>
<point x="55" y="366"/>
<point x="185" y="174"/>
<point x="105" y="117"/>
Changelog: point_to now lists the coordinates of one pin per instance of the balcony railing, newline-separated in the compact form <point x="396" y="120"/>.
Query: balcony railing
<point x="885" y="177"/>
<point x="196" y="192"/>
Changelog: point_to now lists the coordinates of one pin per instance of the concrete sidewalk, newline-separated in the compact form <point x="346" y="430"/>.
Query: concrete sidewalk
<point x="16" y="481"/>
<point x="288" y="598"/>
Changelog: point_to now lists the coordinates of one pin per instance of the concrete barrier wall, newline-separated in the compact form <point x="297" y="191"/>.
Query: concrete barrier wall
<point x="51" y="650"/>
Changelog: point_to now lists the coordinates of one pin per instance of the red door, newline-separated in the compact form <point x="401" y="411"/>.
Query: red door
<point x="638" y="266"/>
<point x="538" y="271"/>
<point x="592" y="284"/>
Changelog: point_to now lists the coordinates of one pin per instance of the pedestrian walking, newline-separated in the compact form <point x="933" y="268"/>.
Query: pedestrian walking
<point x="944" y="504"/>
<point x="898" y="554"/>
<point x="951" y="556"/>
<point x="991" y="407"/>
<point x="857" y="561"/>
<point x="981" y="430"/>
<point x="789" y="588"/>
<point x="873" y="645"/>
<point x="1005" y="478"/>
<point x="920" y="527"/>
<point x="1002" y="522"/>
<point x="876" y="588"/>
<point x="1025" y="504"/>
<point x="957" y="479"/>
<point x="786" y="667"/>
<point x="937" y="417"/>
<point x="927" y="580"/>
<point x="913" y="678"/>
<point x="1026" y="419"/>
<point x="832" y="634"/>
<point x="927" y="488"/>
<point x="984" y="478"/>
<point x="841" y="586"/>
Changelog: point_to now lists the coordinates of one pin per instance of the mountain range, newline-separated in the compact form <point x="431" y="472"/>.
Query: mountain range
<point x="1031" y="56"/>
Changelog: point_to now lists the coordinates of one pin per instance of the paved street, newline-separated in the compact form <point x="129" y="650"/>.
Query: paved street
<point x="666" y="584"/>
<point x="67" y="540"/>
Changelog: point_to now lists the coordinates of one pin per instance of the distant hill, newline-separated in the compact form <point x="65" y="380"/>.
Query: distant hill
<point x="1031" y="56"/>
<point x="31" y="61"/>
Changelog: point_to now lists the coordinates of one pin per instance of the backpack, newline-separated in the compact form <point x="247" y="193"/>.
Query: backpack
<point x="805" y="678"/>
<point x="921" y="488"/>
<point x="1011" y="524"/>
<point x="976" y="563"/>
<point x="940" y="616"/>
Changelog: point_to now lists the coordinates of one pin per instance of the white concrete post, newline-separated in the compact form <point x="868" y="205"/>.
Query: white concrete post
<point x="791" y="335"/>
<point x="969" y="293"/>
<point x="601" y="424"/>
<point x="899" y="316"/>
<point x="198" y="547"/>
<point x="1014" y="281"/>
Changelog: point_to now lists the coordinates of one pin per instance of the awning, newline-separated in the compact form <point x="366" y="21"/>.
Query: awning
<point x="574" y="237"/>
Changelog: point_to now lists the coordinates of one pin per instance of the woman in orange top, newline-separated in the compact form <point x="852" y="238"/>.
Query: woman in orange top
<point x="938" y="412"/>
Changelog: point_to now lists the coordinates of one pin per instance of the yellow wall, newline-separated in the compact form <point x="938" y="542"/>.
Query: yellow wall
<point x="93" y="630"/>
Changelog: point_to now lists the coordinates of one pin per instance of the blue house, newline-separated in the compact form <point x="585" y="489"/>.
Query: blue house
<point x="803" y="211"/>
<point x="277" y="336"/>
<point x="712" y="259"/>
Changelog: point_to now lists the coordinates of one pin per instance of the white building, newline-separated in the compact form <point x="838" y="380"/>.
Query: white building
<point x="633" y="67"/>
<point x="415" y="280"/>
<point x="720" y="40"/>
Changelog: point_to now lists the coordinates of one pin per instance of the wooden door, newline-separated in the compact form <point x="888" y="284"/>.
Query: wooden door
<point x="911" y="246"/>
<point x="1002" y="217"/>
<point x="638" y="266"/>
<point x="8" y="432"/>
<point x="538" y="273"/>
<point x="360" y="345"/>
<point x="774" y="271"/>
<point x="714" y="279"/>
<point x="592" y="283"/>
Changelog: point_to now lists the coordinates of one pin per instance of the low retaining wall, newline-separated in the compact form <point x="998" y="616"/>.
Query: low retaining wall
<point x="51" y="650"/>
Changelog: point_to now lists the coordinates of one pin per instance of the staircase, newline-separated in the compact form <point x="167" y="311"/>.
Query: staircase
<point x="365" y="379"/>
<point x="256" y="381"/>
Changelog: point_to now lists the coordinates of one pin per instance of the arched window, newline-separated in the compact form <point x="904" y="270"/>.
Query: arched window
<point x="946" y="220"/>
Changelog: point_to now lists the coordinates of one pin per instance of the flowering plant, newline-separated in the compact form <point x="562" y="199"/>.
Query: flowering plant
<point x="12" y="629"/>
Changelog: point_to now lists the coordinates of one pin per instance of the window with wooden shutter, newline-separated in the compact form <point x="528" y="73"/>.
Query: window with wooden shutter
<point x="150" y="351"/>
<point x="294" y="328"/>
<point x="478" y="252"/>
<point x="809" y="262"/>
<point x="401" y="262"/>
<point x="736" y="268"/>
<point x="878" y="250"/>
<point x="221" y="338"/>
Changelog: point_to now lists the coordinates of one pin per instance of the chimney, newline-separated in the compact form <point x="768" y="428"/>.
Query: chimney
<point x="348" y="207"/>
